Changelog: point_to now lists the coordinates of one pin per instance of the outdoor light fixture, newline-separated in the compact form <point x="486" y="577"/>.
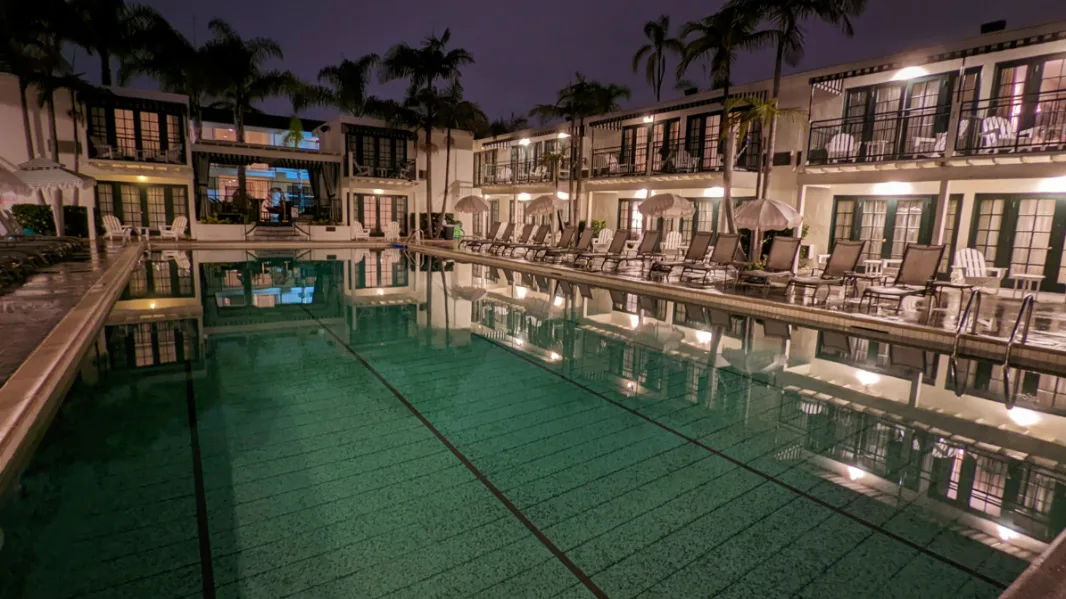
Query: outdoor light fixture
<point x="378" y="192"/>
<point x="151" y="306"/>
<point x="907" y="73"/>
<point x="563" y="135"/>
<point x="142" y="178"/>
<point x="631" y="385"/>
<point x="520" y="292"/>
<point x="854" y="473"/>
<point x="524" y="197"/>
<point x="1023" y="417"/>
<point x="524" y="141"/>
<point x="518" y="342"/>
<point x="562" y="195"/>
<point x="1052" y="185"/>
<point x="649" y="119"/>
<point x="640" y="195"/>
<point x="634" y="320"/>
<point x="703" y="337"/>
<point x="893" y="188"/>
<point x="558" y="301"/>
<point x="867" y="378"/>
<point x="714" y="192"/>
<point x="1005" y="533"/>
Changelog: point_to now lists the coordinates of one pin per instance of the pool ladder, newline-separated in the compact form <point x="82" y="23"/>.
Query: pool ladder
<point x="973" y="304"/>
<point x="1021" y="324"/>
<point x="1028" y="303"/>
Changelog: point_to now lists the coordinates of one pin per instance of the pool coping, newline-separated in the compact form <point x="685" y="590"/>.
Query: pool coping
<point x="32" y="395"/>
<point x="940" y="340"/>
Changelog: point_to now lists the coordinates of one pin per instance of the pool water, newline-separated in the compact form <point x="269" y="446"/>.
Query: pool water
<point x="376" y="426"/>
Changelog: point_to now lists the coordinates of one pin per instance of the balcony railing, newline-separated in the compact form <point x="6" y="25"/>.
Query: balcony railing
<point x="619" y="161"/>
<point x="511" y="173"/>
<point x="895" y="135"/>
<point x="400" y="170"/>
<point x="126" y="149"/>
<point x="1022" y="123"/>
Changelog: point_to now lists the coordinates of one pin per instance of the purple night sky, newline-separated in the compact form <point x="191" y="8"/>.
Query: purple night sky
<point x="526" y="51"/>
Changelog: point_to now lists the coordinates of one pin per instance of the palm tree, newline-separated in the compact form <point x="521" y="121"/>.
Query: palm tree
<point x="110" y="29"/>
<point x="575" y="103"/>
<point x="348" y="84"/>
<point x="720" y="38"/>
<point x="503" y="126"/>
<point x="243" y="80"/>
<point x="785" y="18"/>
<point x="19" y="22"/>
<point x="457" y="113"/>
<point x="424" y="67"/>
<point x="654" y="53"/>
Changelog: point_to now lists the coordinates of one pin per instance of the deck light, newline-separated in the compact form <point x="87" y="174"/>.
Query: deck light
<point x="1023" y="417"/>
<point x="704" y="337"/>
<point x="1005" y="533"/>
<point x="518" y="342"/>
<point x="151" y="306"/>
<point x="555" y="357"/>
<point x="854" y="473"/>
<point x="634" y="320"/>
<point x="631" y="385"/>
<point x="907" y="73"/>
<point x="524" y="141"/>
<point x="867" y="378"/>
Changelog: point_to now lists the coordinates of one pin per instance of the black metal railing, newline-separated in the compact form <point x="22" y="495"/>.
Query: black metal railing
<point x="620" y="161"/>
<point x="403" y="170"/>
<point x="1022" y="123"/>
<point x="529" y="171"/>
<point x="896" y="135"/>
<point x="125" y="148"/>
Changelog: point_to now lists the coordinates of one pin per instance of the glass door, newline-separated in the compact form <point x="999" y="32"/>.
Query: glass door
<point x="634" y="155"/>
<point x="886" y="224"/>
<point x="1024" y="233"/>
<point x="927" y="115"/>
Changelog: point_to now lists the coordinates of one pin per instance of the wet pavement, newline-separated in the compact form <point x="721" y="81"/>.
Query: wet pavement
<point x="29" y="312"/>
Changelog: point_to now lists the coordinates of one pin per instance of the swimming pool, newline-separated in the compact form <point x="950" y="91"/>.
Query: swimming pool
<point x="362" y="424"/>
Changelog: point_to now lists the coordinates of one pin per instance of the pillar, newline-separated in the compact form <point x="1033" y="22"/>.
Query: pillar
<point x="941" y="212"/>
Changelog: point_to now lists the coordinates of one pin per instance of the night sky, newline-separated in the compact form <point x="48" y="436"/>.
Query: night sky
<point x="524" y="51"/>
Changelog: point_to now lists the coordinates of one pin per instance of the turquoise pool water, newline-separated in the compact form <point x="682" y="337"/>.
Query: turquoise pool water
<point x="376" y="426"/>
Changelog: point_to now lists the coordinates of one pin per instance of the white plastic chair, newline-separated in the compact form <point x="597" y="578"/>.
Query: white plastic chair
<point x="176" y="230"/>
<point x="358" y="232"/>
<point x="971" y="266"/>
<point x="841" y="147"/>
<point x="685" y="162"/>
<point x="997" y="131"/>
<point x="392" y="231"/>
<point x="114" y="228"/>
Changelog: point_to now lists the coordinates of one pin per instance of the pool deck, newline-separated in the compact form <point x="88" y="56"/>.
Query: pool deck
<point x="1049" y="354"/>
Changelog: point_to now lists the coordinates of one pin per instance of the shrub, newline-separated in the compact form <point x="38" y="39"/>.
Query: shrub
<point x="76" y="221"/>
<point x="35" y="217"/>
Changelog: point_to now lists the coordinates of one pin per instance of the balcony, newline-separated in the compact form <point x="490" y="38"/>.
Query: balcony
<point x="1016" y="124"/>
<point x="520" y="173"/>
<point x="381" y="168"/>
<point x="895" y="135"/>
<point x="676" y="157"/>
<point x="126" y="149"/>
<point x="619" y="161"/>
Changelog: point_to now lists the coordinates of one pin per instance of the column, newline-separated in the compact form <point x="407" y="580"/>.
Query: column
<point x="941" y="212"/>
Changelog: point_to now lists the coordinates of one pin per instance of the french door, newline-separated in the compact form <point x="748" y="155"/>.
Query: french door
<point x="886" y="224"/>
<point x="634" y="155"/>
<point x="1024" y="233"/>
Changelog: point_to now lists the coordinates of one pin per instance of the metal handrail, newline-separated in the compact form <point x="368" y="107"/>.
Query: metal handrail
<point x="1029" y="301"/>
<point x="975" y="300"/>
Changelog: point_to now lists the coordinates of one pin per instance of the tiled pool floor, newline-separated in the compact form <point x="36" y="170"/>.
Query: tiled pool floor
<point x="298" y="465"/>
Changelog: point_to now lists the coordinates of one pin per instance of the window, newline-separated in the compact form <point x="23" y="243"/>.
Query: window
<point x="131" y="205"/>
<point x="150" y="140"/>
<point x="986" y="227"/>
<point x="950" y="229"/>
<point x="125" y="133"/>
<point x="142" y="205"/>
<point x="494" y="211"/>
<point x="634" y="153"/>
<point x="383" y="156"/>
<point x="105" y="199"/>
<point x="518" y="212"/>
<point x="157" y="213"/>
<point x="907" y="226"/>
<point x="134" y="134"/>
<point x="374" y="212"/>
<point x="174" y="132"/>
<point x="872" y="226"/>
<point x="629" y="216"/>
<point x="844" y="218"/>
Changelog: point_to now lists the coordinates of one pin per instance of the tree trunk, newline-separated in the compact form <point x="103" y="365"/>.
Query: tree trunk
<point x="432" y="227"/>
<point x="576" y="198"/>
<point x="242" y="201"/>
<point x="26" y="119"/>
<point x="57" y="195"/>
<point x="105" y="67"/>
<point x="571" y="158"/>
<point x="728" y="162"/>
<point x="447" y="169"/>
<point x="74" y="127"/>
<point x="772" y="136"/>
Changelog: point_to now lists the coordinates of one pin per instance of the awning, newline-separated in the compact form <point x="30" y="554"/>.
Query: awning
<point x="615" y="122"/>
<point x="350" y="129"/>
<point x="106" y="98"/>
<point x="277" y="158"/>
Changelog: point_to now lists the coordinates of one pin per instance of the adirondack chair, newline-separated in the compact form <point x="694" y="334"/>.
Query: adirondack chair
<point x="841" y="147"/>
<point x="970" y="267"/>
<point x="672" y="243"/>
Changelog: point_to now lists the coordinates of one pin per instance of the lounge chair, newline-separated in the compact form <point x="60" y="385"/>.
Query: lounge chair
<point x="696" y="253"/>
<point x="500" y="246"/>
<point x="618" y="245"/>
<point x="583" y="245"/>
<point x="778" y="268"/>
<point x="916" y="273"/>
<point x="472" y="240"/>
<point x="842" y="262"/>
<point x="723" y="258"/>
<point x="535" y="243"/>
<point x="358" y="232"/>
<point x="176" y="230"/>
<point x="114" y="228"/>
<point x="647" y="250"/>
<point x="504" y="237"/>
<point x="475" y="243"/>
<point x="565" y="239"/>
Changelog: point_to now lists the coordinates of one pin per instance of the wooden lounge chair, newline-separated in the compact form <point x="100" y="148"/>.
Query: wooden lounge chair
<point x="723" y="258"/>
<point x="475" y="243"/>
<point x="618" y="245"/>
<point x="778" y="268"/>
<point x="916" y="273"/>
<point x="647" y="250"/>
<point x="565" y="239"/>
<point x="841" y="263"/>
<point x="696" y="253"/>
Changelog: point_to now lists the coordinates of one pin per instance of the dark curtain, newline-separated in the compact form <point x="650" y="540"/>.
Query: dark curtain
<point x="201" y="170"/>
<point x="330" y="179"/>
